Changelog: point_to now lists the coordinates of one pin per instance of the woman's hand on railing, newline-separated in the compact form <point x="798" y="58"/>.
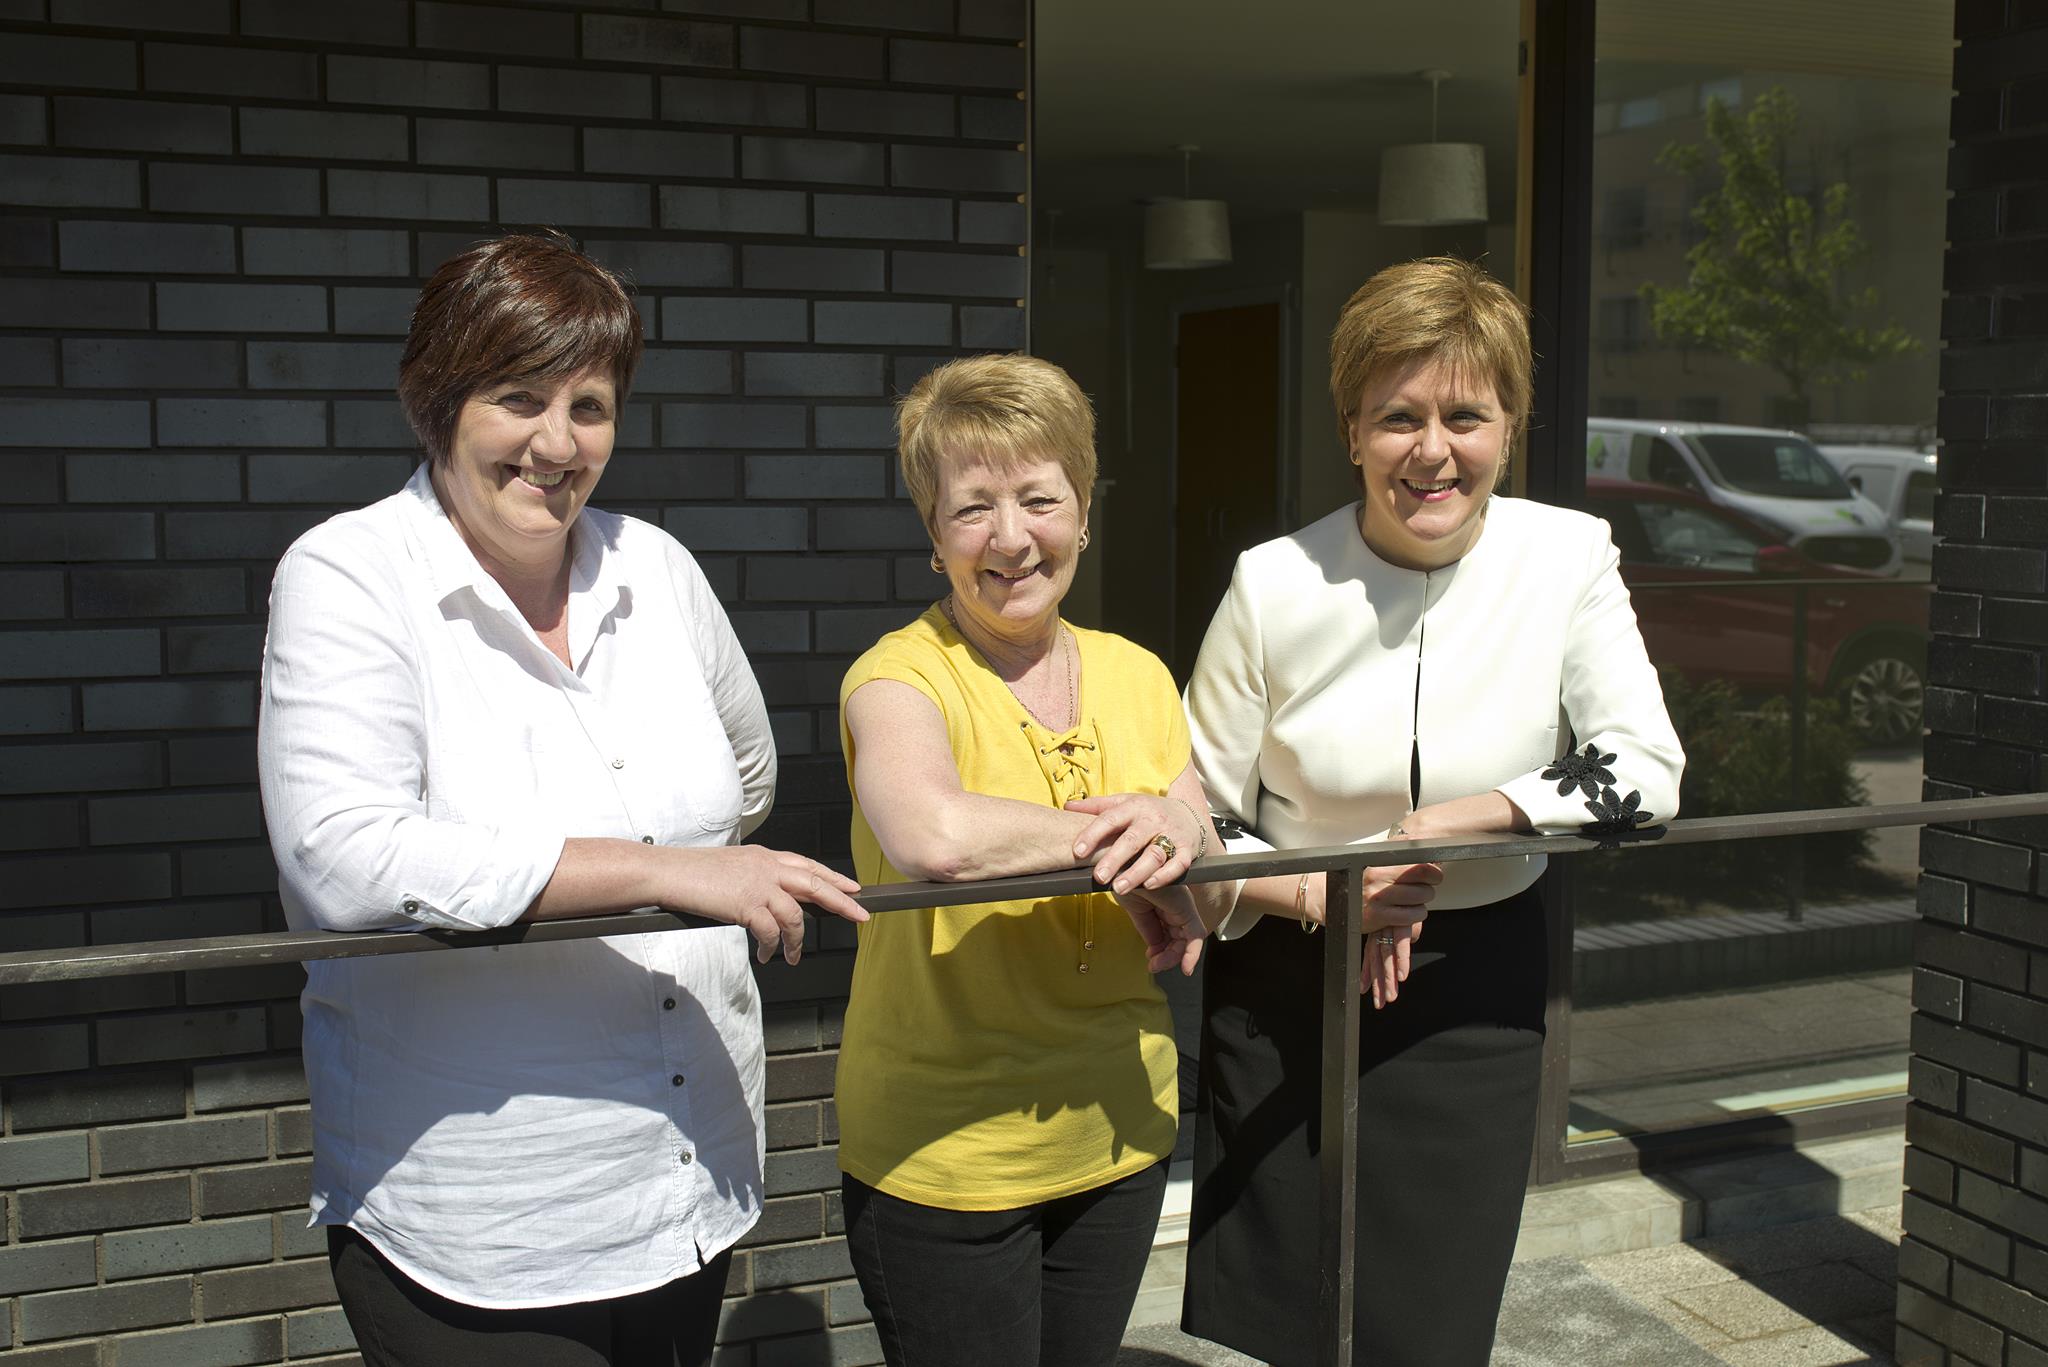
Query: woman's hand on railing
<point x="762" y="889"/>
<point x="1130" y="838"/>
<point x="1394" y="901"/>
<point x="1168" y="923"/>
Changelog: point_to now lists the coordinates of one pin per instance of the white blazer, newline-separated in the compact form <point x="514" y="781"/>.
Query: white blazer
<point x="1324" y="665"/>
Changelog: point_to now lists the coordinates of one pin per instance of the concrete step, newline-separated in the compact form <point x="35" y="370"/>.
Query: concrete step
<point x="1720" y="1196"/>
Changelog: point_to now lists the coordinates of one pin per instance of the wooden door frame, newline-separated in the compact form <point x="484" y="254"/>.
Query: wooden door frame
<point x="1286" y="297"/>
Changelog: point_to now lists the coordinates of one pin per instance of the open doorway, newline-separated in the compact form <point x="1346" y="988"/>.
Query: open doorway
<point x="1230" y="458"/>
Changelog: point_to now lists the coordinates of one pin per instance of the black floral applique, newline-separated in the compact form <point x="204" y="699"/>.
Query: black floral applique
<point x="1585" y="771"/>
<point x="1616" y="818"/>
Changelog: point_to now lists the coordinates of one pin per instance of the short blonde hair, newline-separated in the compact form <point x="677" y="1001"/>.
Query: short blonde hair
<point x="1435" y="309"/>
<point x="1003" y="409"/>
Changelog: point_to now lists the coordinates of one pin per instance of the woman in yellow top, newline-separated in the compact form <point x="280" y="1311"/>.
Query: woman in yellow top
<point x="1007" y="1082"/>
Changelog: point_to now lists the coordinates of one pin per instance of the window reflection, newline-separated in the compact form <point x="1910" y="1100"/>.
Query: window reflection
<point x="1762" y="390"/>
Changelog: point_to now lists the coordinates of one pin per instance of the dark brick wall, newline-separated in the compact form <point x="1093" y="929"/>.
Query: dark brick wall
<point x="213" y="217"/>
<point x="1973" y="1268"/>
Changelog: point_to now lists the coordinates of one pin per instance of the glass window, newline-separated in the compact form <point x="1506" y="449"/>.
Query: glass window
<point x="1713" y="982"/>
<point x="1655" y="460"/>
<point x="1919" y="497"/>
<point x="1627" y="212"/>
<point x="1623" y="323"/>
<point x="1697" y="538"/>
<point x="1726" y="89"/>
<point x="1782" y="467"/>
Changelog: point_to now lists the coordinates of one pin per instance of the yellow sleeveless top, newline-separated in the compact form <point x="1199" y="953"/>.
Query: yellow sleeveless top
<point x="1013" y="1052"/>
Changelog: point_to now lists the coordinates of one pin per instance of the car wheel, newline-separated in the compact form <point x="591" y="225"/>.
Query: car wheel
<point x="1882" y="695"/>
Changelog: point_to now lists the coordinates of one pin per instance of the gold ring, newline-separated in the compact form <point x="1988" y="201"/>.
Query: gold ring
<point x="1164" y="844"/>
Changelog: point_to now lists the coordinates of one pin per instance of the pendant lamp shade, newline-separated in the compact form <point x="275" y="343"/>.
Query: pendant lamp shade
<point x="1427" y="183"/>
<point x="1187" y="234"/>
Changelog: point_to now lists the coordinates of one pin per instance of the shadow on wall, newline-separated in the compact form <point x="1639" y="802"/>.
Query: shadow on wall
<point x="787" y="1328"/>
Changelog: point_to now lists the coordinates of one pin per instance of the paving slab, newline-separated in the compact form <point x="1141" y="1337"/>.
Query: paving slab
<point x="1163" y="1345"/>
<point x="1809" y="1347"/>
<point x="1769" y="1303"/>
<point x="1558" y="1314"/>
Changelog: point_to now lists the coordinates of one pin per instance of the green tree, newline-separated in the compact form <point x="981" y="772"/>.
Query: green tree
<point x="1765" y="284"/>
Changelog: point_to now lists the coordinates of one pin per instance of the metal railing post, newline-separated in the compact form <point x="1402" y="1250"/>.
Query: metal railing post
<point x="1795" y="897"/>
<point x="1337" y="1239"/>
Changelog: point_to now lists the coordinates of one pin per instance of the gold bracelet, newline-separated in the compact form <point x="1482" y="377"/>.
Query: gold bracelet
<point x="1308" y="927"/>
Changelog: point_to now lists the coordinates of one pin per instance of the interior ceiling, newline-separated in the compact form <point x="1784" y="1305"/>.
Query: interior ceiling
<point x="1292" y="100"/>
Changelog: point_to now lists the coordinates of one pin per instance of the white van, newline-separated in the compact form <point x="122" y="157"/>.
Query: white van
<point x="1777" y="477"/>
<point x="1900" y="481"/>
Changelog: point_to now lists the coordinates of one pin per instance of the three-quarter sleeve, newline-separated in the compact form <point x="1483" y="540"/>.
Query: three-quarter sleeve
<point x="1227" y="705"/>
<point x="342" y="757"/>
<point x="735" y="692"/>
<point x="1611" y="696"/>
<point x="1227" y="715"/>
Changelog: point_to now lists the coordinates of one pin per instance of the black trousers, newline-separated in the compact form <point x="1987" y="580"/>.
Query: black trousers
<point x="1046" y="1285"/>
<point x="1447" y="1087"/>
<point x="399" y="1323"/>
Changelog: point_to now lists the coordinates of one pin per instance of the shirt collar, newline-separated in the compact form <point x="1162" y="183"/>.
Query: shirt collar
<point x="595" y="590"/>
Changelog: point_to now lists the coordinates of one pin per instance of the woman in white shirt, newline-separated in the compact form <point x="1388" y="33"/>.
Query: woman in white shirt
<point x="485" y="703"/>
<point x="1411" y="665"/>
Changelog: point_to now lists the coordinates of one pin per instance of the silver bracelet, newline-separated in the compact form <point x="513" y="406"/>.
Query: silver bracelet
<point x="1201" y="829"/>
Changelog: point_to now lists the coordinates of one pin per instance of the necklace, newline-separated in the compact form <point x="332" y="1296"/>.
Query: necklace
<point x="1073" y="690"/>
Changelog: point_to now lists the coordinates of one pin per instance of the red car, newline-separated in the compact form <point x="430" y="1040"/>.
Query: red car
<point x="1866" y="634"/>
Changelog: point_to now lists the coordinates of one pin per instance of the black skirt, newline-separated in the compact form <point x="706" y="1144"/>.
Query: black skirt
<point x="1448" y="1081"/>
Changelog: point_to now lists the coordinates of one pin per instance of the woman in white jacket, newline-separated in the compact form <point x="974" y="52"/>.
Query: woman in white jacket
<point x="1412" y="665"/>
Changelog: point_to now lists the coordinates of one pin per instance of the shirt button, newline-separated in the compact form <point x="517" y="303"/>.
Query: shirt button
<point x="676" y="1081"/>
<point x="411" y="907"/>
<point x="688" y="1158"/>
<point x="647" y="840"/>
<point x="668" y="1003"/>
<point x="1084" y="968"/>
<point x="618" y="764"/>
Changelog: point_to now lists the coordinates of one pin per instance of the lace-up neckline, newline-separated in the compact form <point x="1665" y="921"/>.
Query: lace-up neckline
<point x="1069" y="759"/>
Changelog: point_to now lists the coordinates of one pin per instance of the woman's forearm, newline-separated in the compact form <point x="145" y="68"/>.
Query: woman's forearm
<point x="963" y="836"/>
<point x="760" y="889"/>
<point x="1487" y="813"/>
<point x="1482" y="813"/>
<point x="1276" y="896"/>
<point x="597" y="875"/>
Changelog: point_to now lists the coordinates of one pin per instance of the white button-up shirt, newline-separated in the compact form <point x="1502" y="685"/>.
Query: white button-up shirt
<point x="526" y="1125"/>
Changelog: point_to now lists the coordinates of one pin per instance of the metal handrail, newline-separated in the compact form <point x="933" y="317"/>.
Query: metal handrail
<point x="299" y="946"/>
<point x="1342" y="866"/>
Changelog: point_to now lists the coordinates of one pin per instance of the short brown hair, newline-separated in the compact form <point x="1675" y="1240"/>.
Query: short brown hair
<point x="1005" y="409"/>
<point x="1435" y="309"/>
<point x="526" y="305"/>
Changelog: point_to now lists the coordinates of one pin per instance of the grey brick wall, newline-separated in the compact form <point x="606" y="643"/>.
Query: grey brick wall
<point x="213" y="217"/>
<point x="1973" y="1273"/>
